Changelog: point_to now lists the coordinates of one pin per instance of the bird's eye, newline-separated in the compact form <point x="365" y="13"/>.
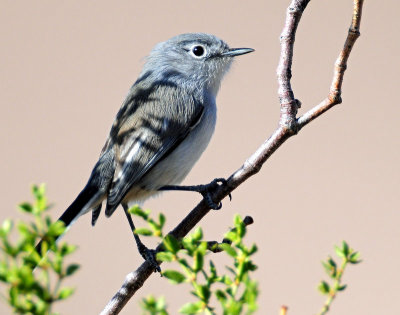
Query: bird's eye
<point x="198" y="51"/>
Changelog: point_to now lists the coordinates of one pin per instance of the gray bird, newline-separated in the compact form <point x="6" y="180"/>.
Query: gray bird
<point x="162" y="128"/>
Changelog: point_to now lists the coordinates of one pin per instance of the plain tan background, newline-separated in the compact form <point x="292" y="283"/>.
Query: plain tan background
<point x="67" y="66"/>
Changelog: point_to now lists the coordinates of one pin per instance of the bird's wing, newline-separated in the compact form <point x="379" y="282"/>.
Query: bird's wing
<point x="147" y="129"/>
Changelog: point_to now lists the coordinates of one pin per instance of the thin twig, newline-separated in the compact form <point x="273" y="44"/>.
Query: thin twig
<point x="332" y="294"/>
<point x="335" y="94"/>
<point x="213" y="245"/>
<point x="289" y="125"/>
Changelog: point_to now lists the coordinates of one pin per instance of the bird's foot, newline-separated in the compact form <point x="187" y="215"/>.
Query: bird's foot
<point x="149" y="255"/>
<point x="206" y="192"/>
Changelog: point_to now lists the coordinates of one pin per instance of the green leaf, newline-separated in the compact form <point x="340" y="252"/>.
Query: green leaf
<point x="65" y="293"/>
<point x="342" y="287"/>
<point x="149" y="300"/>
<point x="186" y="268"/>
<point x="57" y="264"/>
<point x="161" y="219"/>
<point x="324" y="287"/>
<point x="250" y="266"/>
<point x="345" y="249"/>
<point x="44" y="248"/>
<point x="331" y="262"/>
<point x="189" y="245"/>
<point x="191" y="308"/>
<point x="355" y="258"/>
<point x="230" y="292"/>
<point x="71" y="269"/>
<point x="136" y="210"/>
<point x="198" y="261"/>
<point x="221" y="296"/>
<point x="339" y="252"/>
<point x="23" y="228"/>
<point x="174" y="276"/>
<point x="33" y="259"/>
<point x="161" y="304"/>
<point x="48" y="221"/>
<point x="202" y="248"/>
<point x="67" y="249"/>
<point x="171" y="244"/>
<point x="26" y="207"/>
<point x="253" y="249"/>
<point x="202" y="291"/>
<point x="234" y="307"/>
<point x="154" y="225"/>
<point x="197" y="235"/>
<point x="7" y="226"/>
<point x="209" y="311"/>
<point x="232" y="236"/>
<point x="165" y="256"/>
<point x="143" y="231"/>
<point x="237" y="220"/>
<point x="231" y="270"/>
<point x="9" y="249"/>
<point x="40" y="204"/>
<point x="240" y="226"/>
<point x="330" y="267"/>
<point x="36" y="191"/>
<point x="250" y="294"/>
<point x="213" y="270"/>
<point x="56" y="229"/>
<point x="13" y="294"/>
<point x="327" y="267"/>
<point x="226" y="280"/>
<point x="229" y="250"/>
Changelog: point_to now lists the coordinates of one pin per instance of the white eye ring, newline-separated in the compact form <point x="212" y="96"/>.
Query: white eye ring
<point x="198" y="51"/>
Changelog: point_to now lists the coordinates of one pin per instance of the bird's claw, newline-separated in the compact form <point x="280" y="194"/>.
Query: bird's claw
<point x="149" y="255"/>
<point x="205" y="191"/>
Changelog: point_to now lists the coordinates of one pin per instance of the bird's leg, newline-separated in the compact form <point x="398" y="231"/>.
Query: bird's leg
<point x="204" y="190"/>
<point x="148" y="254"/>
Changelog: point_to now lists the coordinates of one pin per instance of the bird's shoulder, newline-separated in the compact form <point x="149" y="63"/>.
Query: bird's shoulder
<point x="155" y="107"/>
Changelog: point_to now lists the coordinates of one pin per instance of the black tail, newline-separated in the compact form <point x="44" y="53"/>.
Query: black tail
<point x="73" y="210"/>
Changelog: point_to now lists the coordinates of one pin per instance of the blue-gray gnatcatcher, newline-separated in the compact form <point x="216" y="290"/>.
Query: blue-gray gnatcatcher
<point x="162" y="128"/>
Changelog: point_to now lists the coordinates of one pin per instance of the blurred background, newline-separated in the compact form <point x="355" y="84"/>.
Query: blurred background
<point x="67" y="66"/>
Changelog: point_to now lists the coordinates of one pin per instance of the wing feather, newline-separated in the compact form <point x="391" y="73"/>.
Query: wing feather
<point x="141" y="140"/>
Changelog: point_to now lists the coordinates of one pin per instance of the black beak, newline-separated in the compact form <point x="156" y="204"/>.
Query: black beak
<point x="233" y="52"/>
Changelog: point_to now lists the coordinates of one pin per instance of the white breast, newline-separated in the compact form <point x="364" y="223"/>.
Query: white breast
<point x="174" y="168"/>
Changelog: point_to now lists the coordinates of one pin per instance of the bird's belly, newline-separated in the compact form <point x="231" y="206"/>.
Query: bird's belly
<point x="175" y="167"/>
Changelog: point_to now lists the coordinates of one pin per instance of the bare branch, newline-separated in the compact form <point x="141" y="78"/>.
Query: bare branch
<point x="289" y="125"/>
<point x="289" y="105"/>
<point x="335" y="93"/>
